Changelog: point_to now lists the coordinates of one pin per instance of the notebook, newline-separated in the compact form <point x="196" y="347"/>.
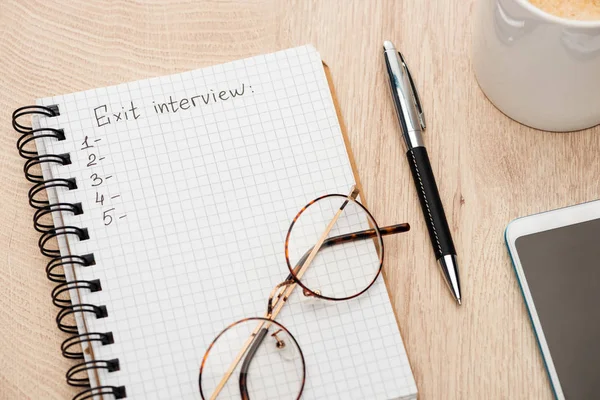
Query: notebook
<point x="173" y="197"/>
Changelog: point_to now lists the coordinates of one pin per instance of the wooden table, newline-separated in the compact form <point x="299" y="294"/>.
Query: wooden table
<point x="489" y="168"/>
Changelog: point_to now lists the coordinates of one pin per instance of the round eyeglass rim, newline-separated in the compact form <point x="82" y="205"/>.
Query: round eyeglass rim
<point x="376" y="227"/>
<point x="207" y="352"/>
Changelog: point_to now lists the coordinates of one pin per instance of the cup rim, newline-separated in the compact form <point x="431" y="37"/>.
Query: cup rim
<point x="560" y="20"/>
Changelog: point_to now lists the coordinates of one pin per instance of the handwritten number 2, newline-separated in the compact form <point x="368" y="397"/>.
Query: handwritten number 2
<point x="92" y="158"/>
<point x="97" y="180"/>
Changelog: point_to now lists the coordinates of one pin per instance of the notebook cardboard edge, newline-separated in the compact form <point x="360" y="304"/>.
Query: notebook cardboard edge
<point x="343" y="128"/>
<point x="338" y="113"/>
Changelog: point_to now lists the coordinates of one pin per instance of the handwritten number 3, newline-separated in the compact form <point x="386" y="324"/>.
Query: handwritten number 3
<point x="97" y="180"/>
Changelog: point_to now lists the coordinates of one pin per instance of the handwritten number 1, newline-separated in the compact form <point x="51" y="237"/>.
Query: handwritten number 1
<point x="85" y="144"/>
<point x="97" y="180"/>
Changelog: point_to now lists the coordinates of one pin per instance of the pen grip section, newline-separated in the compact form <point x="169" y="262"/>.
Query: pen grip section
<point x="433" y="210"/>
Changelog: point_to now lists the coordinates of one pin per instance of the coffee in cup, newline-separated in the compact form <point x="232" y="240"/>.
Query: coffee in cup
<point x="582" y="10"/>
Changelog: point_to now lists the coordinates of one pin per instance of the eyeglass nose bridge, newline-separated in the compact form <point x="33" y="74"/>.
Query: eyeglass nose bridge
<point x="276" y="295"/>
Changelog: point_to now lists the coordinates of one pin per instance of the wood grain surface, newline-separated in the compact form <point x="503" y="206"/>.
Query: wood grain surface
<point x="490" y="169"/>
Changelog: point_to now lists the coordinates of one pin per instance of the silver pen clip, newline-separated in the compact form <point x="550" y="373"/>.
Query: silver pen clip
<point x="415" y="93"/>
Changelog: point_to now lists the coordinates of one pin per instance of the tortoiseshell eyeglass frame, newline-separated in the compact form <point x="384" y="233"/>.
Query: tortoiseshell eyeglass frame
<point x="283" y="290"/>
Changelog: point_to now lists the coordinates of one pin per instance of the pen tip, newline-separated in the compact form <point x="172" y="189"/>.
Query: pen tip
<point x="387" y="45"/>
<point x="459" y="302"/>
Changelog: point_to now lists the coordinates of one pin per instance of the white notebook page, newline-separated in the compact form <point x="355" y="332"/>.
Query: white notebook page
<point x="188" y="184"/>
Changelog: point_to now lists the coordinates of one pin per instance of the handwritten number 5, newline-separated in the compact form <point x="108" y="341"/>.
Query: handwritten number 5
<point x="97" y="180"/>
<point x="107" y="218"/>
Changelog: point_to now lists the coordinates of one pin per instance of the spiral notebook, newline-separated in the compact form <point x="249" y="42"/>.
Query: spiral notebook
<point x="170" y="200"/>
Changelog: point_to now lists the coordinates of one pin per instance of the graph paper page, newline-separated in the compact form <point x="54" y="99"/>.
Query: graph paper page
<point x="188" y="185"/>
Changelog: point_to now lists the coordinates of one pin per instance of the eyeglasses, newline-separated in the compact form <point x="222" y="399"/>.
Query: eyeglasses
<point x="334" y="252"/>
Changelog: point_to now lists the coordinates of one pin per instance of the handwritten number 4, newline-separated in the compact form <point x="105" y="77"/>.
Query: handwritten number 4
<point x="100" y="199"/>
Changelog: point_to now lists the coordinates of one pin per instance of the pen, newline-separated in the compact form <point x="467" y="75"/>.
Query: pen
<point x="412" y="123"/>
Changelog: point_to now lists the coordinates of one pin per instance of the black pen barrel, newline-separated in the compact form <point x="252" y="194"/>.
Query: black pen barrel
<point x="433" y="210"/>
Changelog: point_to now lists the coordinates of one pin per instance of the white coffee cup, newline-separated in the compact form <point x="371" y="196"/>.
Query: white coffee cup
<point x="539" y="69"/>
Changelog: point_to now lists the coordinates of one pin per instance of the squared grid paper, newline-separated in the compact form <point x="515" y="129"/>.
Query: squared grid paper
<point x="207" y="195"/>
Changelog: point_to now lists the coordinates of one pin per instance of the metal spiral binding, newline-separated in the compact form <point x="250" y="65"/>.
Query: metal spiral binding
<point x="58" y="262"/>
<point x="117" y="391"/>
<point x="72" y="347"/>
<point x="61" y="159"/>
<point x="82" y="234"/>
<point x="40" y="226"/>
<point x="38" y="188"/>
<point x="63" y="289"/>
<point x="77" y="341"/>
<point x="77" y="375"/>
